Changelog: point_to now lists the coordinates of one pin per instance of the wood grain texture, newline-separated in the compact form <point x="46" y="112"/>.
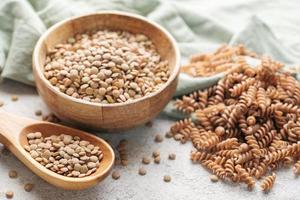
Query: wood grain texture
<point x="13" y="132"/>
<point x="110" y="117"/>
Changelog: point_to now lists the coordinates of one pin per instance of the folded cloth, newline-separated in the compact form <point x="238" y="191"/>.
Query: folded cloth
<point x="198" y="26"/>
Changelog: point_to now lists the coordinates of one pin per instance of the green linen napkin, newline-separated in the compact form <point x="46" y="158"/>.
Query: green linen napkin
<point x="197" y="26"/>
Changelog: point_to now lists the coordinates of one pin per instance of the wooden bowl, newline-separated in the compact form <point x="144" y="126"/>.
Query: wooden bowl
<point x="97" y="116"/>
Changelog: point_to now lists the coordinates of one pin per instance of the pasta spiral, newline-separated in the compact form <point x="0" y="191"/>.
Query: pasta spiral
<point x="245" y="177"/>
<point x="248" y="124"/>
<point x="268" y="182"/>
<point x="297" y="168"/>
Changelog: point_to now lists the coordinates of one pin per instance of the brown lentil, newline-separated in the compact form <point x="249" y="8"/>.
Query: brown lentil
<point x="146" y="160"/>
<point x="116" y="175"/>
<point x="64" y="154"/>
<point x="38" y="112"/>
<point x="123" y="152"/>
<point x="1" y="103"/>
<point x="13" y="174"/>
<point x="14" y="98"/>
<point x="124" y="162"/>
<point x="149" y="124"/>
<point x="51" y="118"/>
<point x="28" y="187"/>
<point x="119" y="67"/>
<point x="214" y="178"/>
<point x="142" y="171"/>
<point x="123" y="142"/>
<point x="178" y="137"/>
<point x="168" y="134"/>
<point x="172" y="156"/>
<point x="155" y="153"/>
<point x="9" y="194"/>
<point x="157" y="160"/>
<point x="158" y="138"/>
<point x="167" y="178"/>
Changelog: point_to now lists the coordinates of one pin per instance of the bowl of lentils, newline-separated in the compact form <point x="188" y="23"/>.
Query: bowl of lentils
<point x="106" y="71"/>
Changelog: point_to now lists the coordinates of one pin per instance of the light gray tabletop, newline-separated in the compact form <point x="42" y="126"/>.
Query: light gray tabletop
<point x="189" y="181"/>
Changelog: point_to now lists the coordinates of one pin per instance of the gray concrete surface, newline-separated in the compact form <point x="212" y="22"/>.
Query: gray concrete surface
<point x="189" y="181"/>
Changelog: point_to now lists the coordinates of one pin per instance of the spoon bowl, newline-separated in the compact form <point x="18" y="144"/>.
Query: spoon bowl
<point x="13" y="134"/>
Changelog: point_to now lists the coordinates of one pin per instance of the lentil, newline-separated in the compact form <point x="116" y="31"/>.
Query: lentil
<point x="149" y="124"/>
<point x="111" y="70"/>
<point x="167" y="178"/>
<point x="28" y="187"/>
<point x="214" y="178"/>
<point x="13" y="174"/>
<point x="124" y="162"/>
<point x="146" y="160"/>
<point x="116" y="175"/>
<point x="142" y="171"/>
<point x="157" y="160"/>
<point x="158" y="138"/>
<point x="123" y="152"/>
<point x="168" y="134"/>
<point x="9" y="194"/>
<point x="38" y="113"/>
<point x="172" y="156"/>
<point x="64" y="154"/>
<point x="14" y="98"/>
<point x="155" y="153"/>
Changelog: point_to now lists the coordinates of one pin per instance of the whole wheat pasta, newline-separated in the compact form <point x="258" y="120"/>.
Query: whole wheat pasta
<point x="297" y="168"/>
<point x="245" y="126"/>
<point x="268" y="182"/>
<point x="221" y="60"/>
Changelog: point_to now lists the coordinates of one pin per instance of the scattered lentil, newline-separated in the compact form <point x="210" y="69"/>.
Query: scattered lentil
<point x="64" y="154"/>
<point x="51" y="118"/>
<point x="123" y="152"/>
<point x="1" y="103"/>
<point x="155" y="153"/>
<point x="158" y="138"/>
<point x="146" y="160"/>
<point x="149" y="124"/>
<point x="123" y="142"/>
<point x="28" y="187"/>
<point x="14" y="98"/>
<point x="177" y="137"/>
<point x="168" y="134"/>
<point x="116" y="175"/>
<point x="13" y="174"/>
<point x="124" y="162"/>
<point x="9" y="194"/>
<point x="157" y="160"/>
<point x="38" y="112"/>
<point x="172" y="156"/>
<point x="167" y="178"/>
<point x="5" y="151"/>
<point x="142" y="171"/>
<point x="214" y="178"/>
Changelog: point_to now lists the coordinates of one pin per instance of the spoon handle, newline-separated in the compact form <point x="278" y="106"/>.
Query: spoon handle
<point x="11" y="127"/>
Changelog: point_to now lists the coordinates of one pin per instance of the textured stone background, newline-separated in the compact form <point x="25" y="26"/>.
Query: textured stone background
<point x="189" y="181"/>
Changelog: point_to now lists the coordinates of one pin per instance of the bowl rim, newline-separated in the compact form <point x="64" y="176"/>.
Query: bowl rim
<point x="37" y="68"/>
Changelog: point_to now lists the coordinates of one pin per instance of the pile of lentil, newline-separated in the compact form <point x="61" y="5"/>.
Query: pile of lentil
<point x="106" y="67"/>
<point x="64" y="154"/>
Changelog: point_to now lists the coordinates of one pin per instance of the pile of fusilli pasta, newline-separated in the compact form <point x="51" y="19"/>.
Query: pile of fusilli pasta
<point x="245" y="126"/>
<point x="219" y="61"/>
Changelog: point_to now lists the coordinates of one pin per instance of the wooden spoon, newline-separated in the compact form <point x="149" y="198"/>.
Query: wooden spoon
<point x="13" y="132"/>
